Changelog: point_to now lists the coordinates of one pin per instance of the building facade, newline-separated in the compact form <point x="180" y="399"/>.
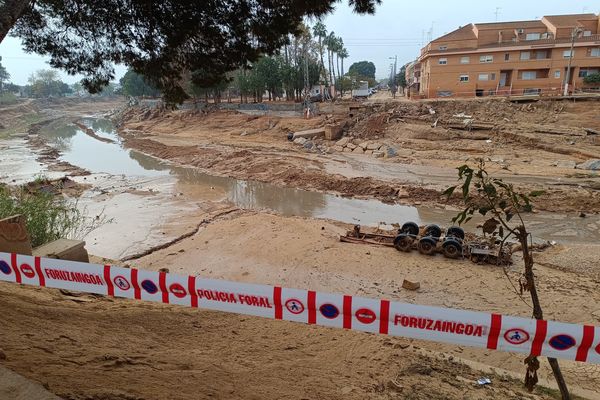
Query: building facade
<point x="512" y="58"/>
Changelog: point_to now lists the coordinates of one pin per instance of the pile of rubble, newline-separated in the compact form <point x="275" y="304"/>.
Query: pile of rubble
<point x="368" y="147"/>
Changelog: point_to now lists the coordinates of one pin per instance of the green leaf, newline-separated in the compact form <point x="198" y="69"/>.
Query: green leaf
<point x="509" y="216"/>
<point x="490" y="190"/>
<point x="465" y="188"/>
<point x="484" y="210"/>
<point x="537" y="193"/>
<point x="448" y="192"/>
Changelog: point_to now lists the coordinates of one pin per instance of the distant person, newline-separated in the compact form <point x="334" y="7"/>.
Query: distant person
<point x="393" y="89"/>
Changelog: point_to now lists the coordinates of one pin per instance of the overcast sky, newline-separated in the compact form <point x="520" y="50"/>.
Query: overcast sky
<point x="399" y="28"/>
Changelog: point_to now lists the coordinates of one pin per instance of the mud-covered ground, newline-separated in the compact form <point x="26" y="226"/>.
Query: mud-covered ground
<point x="86" y="347"/>
<point x="516" y="144"/>
<point x="98" y="348"/>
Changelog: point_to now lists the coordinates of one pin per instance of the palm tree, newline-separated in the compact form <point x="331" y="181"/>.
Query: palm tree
<point x="320" y="32"/>
<point x="343" y="53"/>
<point x="330" y="41"/>
<point x="339" y="45"/>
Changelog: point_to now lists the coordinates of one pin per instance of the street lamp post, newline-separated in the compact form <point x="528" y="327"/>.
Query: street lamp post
<point x="393" y="78"/>
<point x="574" y="34"/>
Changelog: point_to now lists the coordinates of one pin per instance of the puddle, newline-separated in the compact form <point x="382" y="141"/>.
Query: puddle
<point x="98" y="157"/>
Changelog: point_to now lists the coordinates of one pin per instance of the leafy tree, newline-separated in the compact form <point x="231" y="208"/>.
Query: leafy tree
<point x="592" y="78"/>
<point x="46" y="83"/>
<point x="4" y="75"/>
<point x="363" y="68"/>
<point x="269" y="69"/>
<point x="135" y="85"/>
<point x="489" y="196"/>
<point x="160" y="40"/>
<point x="401" y="77"/>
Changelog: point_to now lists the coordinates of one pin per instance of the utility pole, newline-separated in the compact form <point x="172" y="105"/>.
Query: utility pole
<point x="394" y="86"/>
<point x="497" y="12"/>
<point x="574" y="34"/>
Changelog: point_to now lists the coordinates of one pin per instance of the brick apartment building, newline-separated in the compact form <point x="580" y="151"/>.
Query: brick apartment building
<point x="509" y="58"/>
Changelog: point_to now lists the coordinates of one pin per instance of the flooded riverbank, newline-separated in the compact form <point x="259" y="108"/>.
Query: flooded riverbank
<point x="142" y="194"/>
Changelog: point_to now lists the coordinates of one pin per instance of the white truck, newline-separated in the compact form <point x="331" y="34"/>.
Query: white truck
<point x="362" y="91"/>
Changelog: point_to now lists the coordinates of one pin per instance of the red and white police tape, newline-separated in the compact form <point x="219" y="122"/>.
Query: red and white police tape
<point x="469" y="328"/>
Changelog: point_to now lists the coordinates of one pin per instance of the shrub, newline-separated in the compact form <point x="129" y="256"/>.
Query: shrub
<point x="49" y="217"/>
<point x="7" y="99"/>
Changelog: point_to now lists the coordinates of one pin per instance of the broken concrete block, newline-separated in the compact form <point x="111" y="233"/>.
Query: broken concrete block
<point x="338" y="148"/>
<point x="564" y="164"/>
<point x="390" y="152"/>
<point x="300" y="140"/>
<point x="351" y="146"/>
<point x="342" y="142"/>
<point x="358" y="150"/>
<point x="363" y="145"/>
<point x="373" y="146"/>
<point x="347" y="150"/>
<point x="368" y="152"/>
<point x="378" y="154"/>
<point x="593" y="165"/>
<point x="333" y="131"/>
<point x="311" y="133"/>
<point x="411" y="285"/>
<point x="13" y="235"/>
<point x="63" y="249"/>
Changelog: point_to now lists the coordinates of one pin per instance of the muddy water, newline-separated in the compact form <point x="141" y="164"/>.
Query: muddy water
<point x="112" y="158"/>
<point x="98" y="157"/>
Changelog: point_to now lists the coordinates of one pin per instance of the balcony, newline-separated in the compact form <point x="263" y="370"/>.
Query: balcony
<point x="541" y="43"/>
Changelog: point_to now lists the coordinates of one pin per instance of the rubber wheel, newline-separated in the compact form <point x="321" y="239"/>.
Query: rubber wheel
<point x="403" y="242"/>
<point x="290" y="136"/>
<point x="452" y="248"/>
<point x="477" y="259"/>
<point x="411" y="228"/>
<point x="456" y="231"/>
<point x="433" y="231"/>
<point x="427" y="246"/>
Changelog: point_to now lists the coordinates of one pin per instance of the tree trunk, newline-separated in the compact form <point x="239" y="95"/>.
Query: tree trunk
<point x="537" y="308"/>
<point x="10" y="12"/>
<point x="337" y="61"/>
<point x="321" y="70"/>
<point x="342" y="82"/>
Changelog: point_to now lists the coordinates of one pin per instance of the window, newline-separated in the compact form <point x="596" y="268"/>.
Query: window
<point x="587" y="33"/>
<point x="532" y="36"/>
<point x="486" y="59"/>
<point x="525" y="55"/>
<point x="443" y="61"/>
<point x="529" y="75"/>
<point x="443" y="47"/>
<point x="541" y="55"/>
<point x="464" y="78"/>
<point x="595" y="52"/>
<point x="492" y="77"/>
<point x="465" y="60"/>
<point x="445" y="93"/>
<point x="583" y="72"/>
<point x="568" y="53"/>
<point x="557" y="74"/>
<point x="506" y="56"/>
<point x="483" y="77"/>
